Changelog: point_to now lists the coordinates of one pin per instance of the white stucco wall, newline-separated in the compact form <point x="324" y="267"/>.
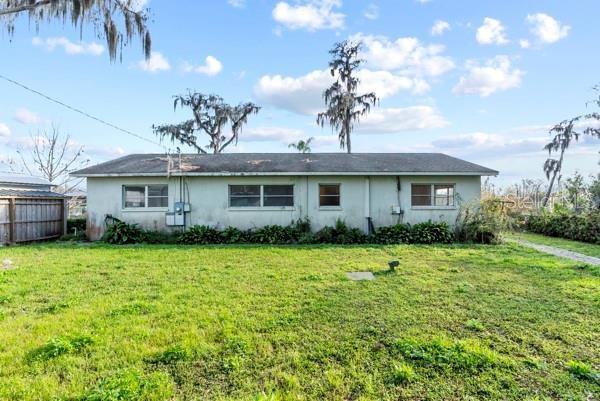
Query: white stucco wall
<point x="208" y="196"/>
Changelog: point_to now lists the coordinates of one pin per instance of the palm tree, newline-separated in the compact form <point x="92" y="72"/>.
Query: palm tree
<point x="302" y="146"/>
<point x="344" y="105"/>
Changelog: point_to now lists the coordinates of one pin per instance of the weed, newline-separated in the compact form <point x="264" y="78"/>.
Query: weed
<point x="474" y="325"/>
<point x="171" y="355"/>
<point x="131" y="385"/>
<point x="402" y="373"/>
<point x="583" y="371"/>
<point x="58" y="346"/>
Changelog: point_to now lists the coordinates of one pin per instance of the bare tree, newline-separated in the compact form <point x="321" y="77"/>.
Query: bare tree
<point x="102" y="14"/>
<point x="344" y="105"/>
<point x="565" y="133"/>
<point x="302" y="146"/>
<point x="211" y="115"/>
<point x="52" y="156"/>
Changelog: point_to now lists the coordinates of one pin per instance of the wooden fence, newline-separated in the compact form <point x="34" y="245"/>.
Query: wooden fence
<point x="31" y="219"/>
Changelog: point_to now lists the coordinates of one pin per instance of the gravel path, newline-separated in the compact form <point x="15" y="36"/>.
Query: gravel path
<point x="559" y="252"/>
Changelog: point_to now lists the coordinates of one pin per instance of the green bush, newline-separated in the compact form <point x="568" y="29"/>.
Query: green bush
<point x="274" y="234"/>
<point x="340" y="234"/>
<point x="583" y="227"/>
<point x="397" y="234"/>
<point x="120" y="232"/>
<point x="201" y="235"/>
<point x="76" y="224"/>
<point x="482" y="223"/>
<point x="429" y="232"/>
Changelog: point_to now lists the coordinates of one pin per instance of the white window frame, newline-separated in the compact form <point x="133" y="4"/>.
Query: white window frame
<point x="432" y="204"/>
<point x="338" y="207"/>
<point x="262" y="206"/>
<point x="145" y="207"/>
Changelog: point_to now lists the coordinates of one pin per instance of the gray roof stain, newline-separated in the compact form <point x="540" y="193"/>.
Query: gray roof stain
<point x="21" y="179"/>
<point x="281" y="163"/>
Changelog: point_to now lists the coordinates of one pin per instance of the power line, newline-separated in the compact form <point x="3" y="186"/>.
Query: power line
<point x="126" y="131"/>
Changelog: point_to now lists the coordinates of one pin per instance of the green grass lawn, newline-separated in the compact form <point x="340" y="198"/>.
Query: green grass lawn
<point x="575" y="246"/>
<point x="283" y="323"/>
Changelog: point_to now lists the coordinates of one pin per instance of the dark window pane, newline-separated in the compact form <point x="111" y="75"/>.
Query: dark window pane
<point x="158" y="190"/>
<point x="421" y="200"/>
<point x="419" y="189"/>
<point x="158" y="201"/>
<point x="420" y="195"/>
<point x="134" y="196"/>
<point x="329" y="201"/>
<point x="244" y="190"/>
<point x="333" y="189"/>
<point x="278" y="201"/>
<point x="244" y="201"/>
<point x="281" y="190"/>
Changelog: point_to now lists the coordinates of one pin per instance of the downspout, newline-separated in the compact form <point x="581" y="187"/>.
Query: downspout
<point x="368" y="206"/>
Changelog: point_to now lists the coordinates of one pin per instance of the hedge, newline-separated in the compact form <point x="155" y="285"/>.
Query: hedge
<point x="583" y="227"/>
<point x="299" y="232"/>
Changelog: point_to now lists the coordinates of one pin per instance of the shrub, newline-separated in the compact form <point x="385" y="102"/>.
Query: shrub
<point x="583" y="227"/>
<point x="76" y="224"/>
<point x="482" y="223"/>
<point x="274" y="234"/>
<point x="232" y="235"/>
<point x="120" y="232"/>
<point x="340" y="234"/>
<point x="430" y="232"/>
<point x="397" y="234"/>
<point x="201" y="235"/>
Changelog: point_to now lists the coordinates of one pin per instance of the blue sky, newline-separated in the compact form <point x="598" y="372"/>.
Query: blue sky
<point x="481" y="80"/>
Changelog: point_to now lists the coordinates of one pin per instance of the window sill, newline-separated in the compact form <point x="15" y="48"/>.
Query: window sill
<point x="433" y="207"/>
<point x="330" y="208"/>
<point x="262" y="209"/>
<point x="145" y="209"/>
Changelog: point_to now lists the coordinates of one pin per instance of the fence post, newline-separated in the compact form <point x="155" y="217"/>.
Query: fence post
<point x="65" y="215"/>
<point x="12" y="215"/>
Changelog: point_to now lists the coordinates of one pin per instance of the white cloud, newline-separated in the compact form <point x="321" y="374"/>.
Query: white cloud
<point x="311" y="15"/>
<point x="406" y="54"/>
<point x="491" y="32"/>
<point x="139" y="5"/>
<point x="546" y="28"/>
<point x="524" y="43"/>
<point x="50" y="44"/>
<point x="439" y="27"/>
<point x="211" y="67"/>
<point x="423" y="1"/>
<point x="237" y="3"/>
<point x="393" y="120"/>
<point x="26" y="116"/>
<point x="304" y="94"/>
<point x="4" y="130"/>
<point x="371" y="12"/>
<point x="156" y="63"/>
<point x="494" y="75"/>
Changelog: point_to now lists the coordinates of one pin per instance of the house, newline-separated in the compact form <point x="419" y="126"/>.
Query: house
<point x="30" y="210"/>
<point x="366" y="190"/>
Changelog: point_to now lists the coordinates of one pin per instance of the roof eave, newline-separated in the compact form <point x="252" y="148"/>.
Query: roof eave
<point x="290" y="173"/>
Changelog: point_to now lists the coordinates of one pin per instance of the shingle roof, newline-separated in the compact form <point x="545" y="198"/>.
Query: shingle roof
<point x="14" y="193"/>
<point x="286" y="163"/>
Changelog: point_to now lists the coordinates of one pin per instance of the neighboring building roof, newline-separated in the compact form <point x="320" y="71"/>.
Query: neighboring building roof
<point x="13" y="193"/>
<point x="19" y="179"/>
<point x="286" y="164"/>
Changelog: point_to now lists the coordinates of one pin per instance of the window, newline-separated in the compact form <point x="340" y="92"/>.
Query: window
<point x="329" y="195"/>
<point x="432" y="195"/>
<point x="261" y="196"/>
<point x="142" y="196"/>
<point x="278" y="195"/>
<point x="444" y="195"/>
<point x="244" y="195"/>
